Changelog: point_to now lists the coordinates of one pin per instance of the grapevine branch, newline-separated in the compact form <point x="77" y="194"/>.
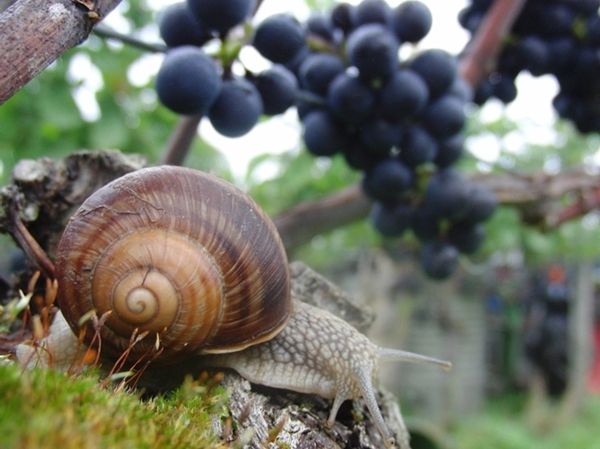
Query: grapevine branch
<point x="33" y="33"/>
<point x="535" y="195"/>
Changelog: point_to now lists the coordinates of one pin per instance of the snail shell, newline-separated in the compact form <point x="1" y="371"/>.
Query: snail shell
<point x="180" y="254"/>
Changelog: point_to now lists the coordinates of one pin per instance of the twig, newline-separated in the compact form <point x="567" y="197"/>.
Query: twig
<point x="108" y="33"/>
<point x="31" y="247"/>
<point x="181" y="140"/>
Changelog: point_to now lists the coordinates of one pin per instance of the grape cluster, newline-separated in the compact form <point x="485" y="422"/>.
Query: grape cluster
<point x="399" y="122"/>
<point x="191" y="82"/>
<point x="557" y="37"/>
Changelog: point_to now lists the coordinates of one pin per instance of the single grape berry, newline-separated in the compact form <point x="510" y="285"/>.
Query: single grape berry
<point x="278" y="88"/>
<point x="403" y="96"/>
<point x="379" y="136"/>
<point x="417" y="146"/>
<point x="445" y="116"/>
<point x="437" y="68"/>
<point x="178" y="26"/>
<point x="447" y="194"/>
<point x="371" y="11"/>
<point x="188" y="81"/>
<point x="318" y="70"/>
<point x="391" y="219"/>
<point x="449" y="150"/>
<point x="358" y="157"/>
<point x="341" y="17"/>
<point x="373" y="50"/>
<point x="279" y="38"/>
<point x="425" y="224"/>
<point x="439" y="260"/>
<point x="411" y="21"/>
<point x="237" y="108"/>
<point x="387" y="180"/>
<point x="320" y="25"/>
<point x="323" y="136"/>
<point x="481" y="203"/>
<point x="466" y="237"/>
<point x="221" y="15"/>
<point x="349" y="99"/>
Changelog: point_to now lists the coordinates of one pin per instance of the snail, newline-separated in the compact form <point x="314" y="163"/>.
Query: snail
<point x="196" y="263"/>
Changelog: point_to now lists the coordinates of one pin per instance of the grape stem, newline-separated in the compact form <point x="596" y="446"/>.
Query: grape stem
<point x="181" y="140"/>
<point x="108" y="33"/>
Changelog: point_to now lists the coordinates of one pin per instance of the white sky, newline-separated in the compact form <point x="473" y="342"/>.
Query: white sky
<point x="532" y="109"/>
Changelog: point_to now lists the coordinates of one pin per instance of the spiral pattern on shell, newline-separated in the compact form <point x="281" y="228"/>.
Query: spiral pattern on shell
<point x="177" y="253"/>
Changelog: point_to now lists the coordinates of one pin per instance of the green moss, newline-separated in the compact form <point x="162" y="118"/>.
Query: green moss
<point x="46" y="409"/>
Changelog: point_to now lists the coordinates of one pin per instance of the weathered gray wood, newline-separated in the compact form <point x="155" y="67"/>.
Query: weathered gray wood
<point x="33" y="33"/>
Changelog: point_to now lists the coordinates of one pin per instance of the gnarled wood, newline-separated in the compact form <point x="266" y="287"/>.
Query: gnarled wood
<point x="33" y="33"/>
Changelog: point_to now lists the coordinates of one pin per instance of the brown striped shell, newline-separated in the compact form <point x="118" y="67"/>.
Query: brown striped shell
<point x="180" y="254"/>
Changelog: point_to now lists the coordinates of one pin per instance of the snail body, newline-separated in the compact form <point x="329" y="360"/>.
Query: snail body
<point x="158" y="249"/>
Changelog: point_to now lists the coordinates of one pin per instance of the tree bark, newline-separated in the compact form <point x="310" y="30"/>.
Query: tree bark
<point x="33" y="33"/>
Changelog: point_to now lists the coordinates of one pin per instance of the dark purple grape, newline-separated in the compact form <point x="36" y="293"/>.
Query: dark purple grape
<point x="279" y="38"/>
<point x="373" y="50"/>
<point x="221" y="15"/>
<point x="188" y="81"/>
<point x="391" y="219"/>
<point x="305" y="106"/>
<point x="439" y="260"/>
<point x="411" y="21"/>
<point x="505" y="89"/>
<point x="466" y="237"/>
<point x="278" y="88"/>
<point x="447" y="194"/>
<point x="483" y="93"/>
<point x="387" y="180"/>
<point x="585" y="6"/>
<point x="403" y="96"/>
<point x="341" y="17"/>
<point x="481" y="203"/>
<point x="371" y="11"/>
<point x="534" y="55"/>
<point x="379" y="136"/>
<point x="323" y="136"/>
<point x="318" y="70"/>
<point x="349" y="99"/>
<point x="449" y="150"/>
<point x="178" y="26"/>
<point x="445" y="116"/>
<point x="561" y="51"/>
<point x="437" y="68"/>
<point x="425" y="224"/>
<point x="358" y="157"/>
<point x="461" y="90"/>
<point x="592" y="31"/>
<point x="237" y="108"/>
<point x="558" y="20"/>
<point x="417" y="147"/>
<point x="320" y="25"/>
